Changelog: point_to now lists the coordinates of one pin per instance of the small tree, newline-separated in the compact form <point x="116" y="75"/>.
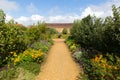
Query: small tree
<point x="2" y="17"/>
<point x="64" y="31"/>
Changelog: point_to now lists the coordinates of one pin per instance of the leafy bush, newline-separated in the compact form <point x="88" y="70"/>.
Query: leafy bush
<point x="71" y="44"/>
<point x="12" y="40"/>
<point x="101" y="67"/>
<point x="37" y="32"/>
<point x="22" y="72"/>
<point x="2" y="17"/>
<point x="64" y="31"/>
<point x="21" y="47"/>
<point x="91" y="31"/>
<point x="86" y="31"/>
<point x="77" y="55"/>
<point x="43" y="45"/>
<point x="32" y="67"/>
<point x="8" y="74"/>
<point x="100" y="42"/>
<point x="29" y="55"/>
<point x="15" y="38"/>
<point x="73" y="47"/>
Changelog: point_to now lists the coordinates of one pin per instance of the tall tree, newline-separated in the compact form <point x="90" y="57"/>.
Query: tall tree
<point x="2" y="17"/>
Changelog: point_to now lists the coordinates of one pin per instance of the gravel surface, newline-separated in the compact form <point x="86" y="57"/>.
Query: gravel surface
<point x="59" y="64"/>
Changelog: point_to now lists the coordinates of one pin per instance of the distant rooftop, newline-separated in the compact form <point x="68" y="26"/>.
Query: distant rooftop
<point x="59" y="25"/>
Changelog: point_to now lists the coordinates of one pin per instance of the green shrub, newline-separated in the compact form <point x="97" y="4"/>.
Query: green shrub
<point x="77" y="55"/>
<point x="85" y="32"/>
<point x="73" y="47"/>
<point x="29" y="55"/>
<point x="21" y="47"/>
<point x="12" y="40"/>
<point x="22" y="72"/>
<point x="92" y="32"/>
<point x="64" y="31"/>
<point x="43" y="45"/>
<point x="100" y="42"/>
<point x="8" y="74"/>
<point x="32" y="67"/>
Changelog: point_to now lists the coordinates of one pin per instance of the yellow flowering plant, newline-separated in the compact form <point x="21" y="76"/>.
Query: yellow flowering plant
<point x="29" y="55"/>
<point x="103" y="68"/>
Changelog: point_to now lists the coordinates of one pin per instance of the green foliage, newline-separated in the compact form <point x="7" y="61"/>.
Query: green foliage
<point x="21" y="47"/>
<point x="2" y="17"/>
<point x="43" y="45"/>
<point x="52" y="31"/>
<point x="8" y="74"/>
<point x="111" y="32"/>
<point x="39" y="32"/>
<point x="86" y="31"/>
<point x="22" y="72"/>
<point x="36" y="32"/>
<point x="28" y="56"/>
<point x="72" y="47"/>
<point x="70" y="42"/>
<point x="100" y="42"/>
<point x="64" y="31"/>
<point x="59" y="35"/>
<point x="101" y="67"/>
<point x="91" y="31"/>
<point x="32" y="67"/>
<point x="77" y="55"/>
<point x="15" y="38"/>
<point x="11" y="40"/>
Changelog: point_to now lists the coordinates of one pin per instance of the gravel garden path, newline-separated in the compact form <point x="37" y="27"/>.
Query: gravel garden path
<point x="59" y="64"/>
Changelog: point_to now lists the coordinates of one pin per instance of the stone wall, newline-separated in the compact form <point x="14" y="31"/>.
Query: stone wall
<point x="60" y="26"/>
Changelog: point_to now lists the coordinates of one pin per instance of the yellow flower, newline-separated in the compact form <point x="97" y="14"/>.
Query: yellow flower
<point x="115" y="67"/>
<point x="103" y="65"/>
<point x="11" y="52"/>
<point x="103" y="60"/>
<point x="16" y="60"/>
<point x="6" y="58"/>
<point x="32" y="56"/>
<point x="100" y="56"/>
<point x="109" y="66"/>
<point x="26" y="52"/>
<point x="12" y="59"/>
<point x="14" y="54"/>
<point x="96" y="59"/>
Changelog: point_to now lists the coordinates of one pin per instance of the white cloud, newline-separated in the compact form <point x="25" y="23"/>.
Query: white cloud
<point x="37" y="17"/>
<point x="8" y="5"/>
<point x="62" y="18"/>
<point x="29" y="20"/>
<point x="50" y="19"/>
<point x="8" y="17"/>
<point x="89" y="10"/>
<point x="23" y="19"/>
<point x="101" y="10"/>
<point x="32" y="8"/>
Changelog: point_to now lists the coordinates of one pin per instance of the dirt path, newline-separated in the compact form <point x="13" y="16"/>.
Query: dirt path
<point x="59" y="64"/>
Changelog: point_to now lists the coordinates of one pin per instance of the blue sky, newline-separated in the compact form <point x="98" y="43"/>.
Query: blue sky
<point x="28" y="12"/>
<point x="47" y="7"/>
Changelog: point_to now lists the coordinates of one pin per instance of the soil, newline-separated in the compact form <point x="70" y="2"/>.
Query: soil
<point x="59" y="64"/>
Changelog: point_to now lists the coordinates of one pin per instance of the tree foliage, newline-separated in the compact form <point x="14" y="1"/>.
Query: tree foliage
<point x="2" y="17"/>
<point x="99" y="34"/>
<point x="64" y="31"/>
<point x="17" y="38"/>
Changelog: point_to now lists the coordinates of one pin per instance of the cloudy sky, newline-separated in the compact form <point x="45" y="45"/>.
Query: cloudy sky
<point x="28" y="12"/>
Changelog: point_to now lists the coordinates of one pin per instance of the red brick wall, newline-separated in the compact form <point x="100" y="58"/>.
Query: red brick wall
<point x="59" y="25"/>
